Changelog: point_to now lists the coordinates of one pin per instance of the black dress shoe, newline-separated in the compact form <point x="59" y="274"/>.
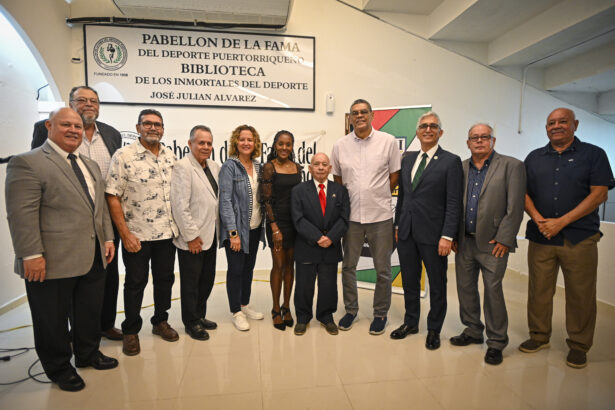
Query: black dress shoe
<point x="403" y="331"/>
<point x="208" y="324"/>
<point x="197" y="331"/>
<point x="74" y="382"/>
<point x="493" y="356"/>
<point x="433" y="340"/>
<point x="100" y="362"/>
<point x="464" y="340"/>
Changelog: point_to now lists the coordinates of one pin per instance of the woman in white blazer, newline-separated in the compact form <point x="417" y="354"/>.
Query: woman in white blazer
<point x="194" y="202"/>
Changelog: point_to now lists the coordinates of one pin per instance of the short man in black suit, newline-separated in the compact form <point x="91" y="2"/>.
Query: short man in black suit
<point x="100" y="141"/>
<point x="320" y="209"/>
<point x="427" y="220"/>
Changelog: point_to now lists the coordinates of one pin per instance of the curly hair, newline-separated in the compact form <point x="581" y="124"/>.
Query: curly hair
<point x="274" y="153"/>
<point x="235" y="139"/>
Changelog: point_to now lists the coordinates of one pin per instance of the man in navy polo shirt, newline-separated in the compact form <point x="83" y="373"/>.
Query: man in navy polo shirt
<point x="567" y="180"/>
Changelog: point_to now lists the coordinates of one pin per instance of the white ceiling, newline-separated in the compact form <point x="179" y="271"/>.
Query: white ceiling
<point x="566" y="47"/>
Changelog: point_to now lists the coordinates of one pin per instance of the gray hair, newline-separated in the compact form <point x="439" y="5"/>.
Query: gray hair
<point x="198" y="128"/>
<point x="360" y="101"/>
<point x="429" y="114"/>
<point x="484" y="124"/>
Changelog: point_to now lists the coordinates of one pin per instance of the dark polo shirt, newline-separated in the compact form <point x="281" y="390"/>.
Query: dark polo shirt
<point x="558" y="182"/>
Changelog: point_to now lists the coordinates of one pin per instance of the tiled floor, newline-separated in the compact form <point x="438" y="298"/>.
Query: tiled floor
<point x="268" y="369"/>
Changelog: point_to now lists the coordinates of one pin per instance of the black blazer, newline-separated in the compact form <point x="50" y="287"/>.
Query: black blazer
<point x="311" y="224"/>
<point x="111" y="137"/>
<point x="433" y="210"/>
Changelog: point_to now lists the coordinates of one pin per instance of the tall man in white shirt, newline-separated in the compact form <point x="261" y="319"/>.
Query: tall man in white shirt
<point x="139" y="197"/>
<point x="367" y="163"/>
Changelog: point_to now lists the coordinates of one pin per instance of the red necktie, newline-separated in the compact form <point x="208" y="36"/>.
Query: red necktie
<point x="322" y="197"/>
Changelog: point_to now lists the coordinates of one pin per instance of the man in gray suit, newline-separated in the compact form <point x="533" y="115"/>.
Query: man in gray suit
<point x="63" y="240"/>
<point x="492" y="212"/>
<point x="194" y="202"/>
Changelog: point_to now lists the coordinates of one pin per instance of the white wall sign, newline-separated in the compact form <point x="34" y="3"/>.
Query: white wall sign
<point x="153" y="66"/>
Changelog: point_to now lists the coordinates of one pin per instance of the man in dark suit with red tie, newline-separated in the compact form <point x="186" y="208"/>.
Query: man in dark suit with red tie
<point x="427" y="220"/>
<point x="320" y="209"/>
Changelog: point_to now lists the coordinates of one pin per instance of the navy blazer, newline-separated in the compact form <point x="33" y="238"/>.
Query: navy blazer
<point x="433" y="209"/>
<point x="311" y="224"/>
<point x="111" y="137"/>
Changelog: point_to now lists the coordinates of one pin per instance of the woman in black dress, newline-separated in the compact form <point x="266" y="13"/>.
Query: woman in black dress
<point x="280" y="174"/>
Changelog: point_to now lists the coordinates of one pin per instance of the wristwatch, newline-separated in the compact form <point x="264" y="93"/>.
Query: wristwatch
<point x="233" y="233"/>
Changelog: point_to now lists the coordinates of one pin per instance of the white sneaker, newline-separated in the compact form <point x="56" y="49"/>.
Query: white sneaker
<point x="252" y="314"/>
<point x="240" y="321"/>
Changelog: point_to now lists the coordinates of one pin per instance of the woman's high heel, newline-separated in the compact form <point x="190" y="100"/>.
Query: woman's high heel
<point x="288" y="322"/>
<point x="279" y="326"/>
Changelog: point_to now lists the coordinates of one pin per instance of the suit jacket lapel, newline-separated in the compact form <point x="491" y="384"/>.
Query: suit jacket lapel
<point x="201" y="174"/>
<point x="495" y="162"/>
<point x="466" y="172"/>
<point x="433" y="163"/>
<point x="61" y="163"/>
<point x="331" y="194"/>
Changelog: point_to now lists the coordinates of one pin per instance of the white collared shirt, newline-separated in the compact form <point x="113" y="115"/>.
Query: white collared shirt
<point x="89" y="181"/>
<point x="96" y="150"/>
<point x="326" y="185"/>
<point x="430" y="153"/>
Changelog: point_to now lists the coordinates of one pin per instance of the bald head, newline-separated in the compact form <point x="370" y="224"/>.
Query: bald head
<point x="561" y="126"/>
<point x="320" y="167"/>
<point x="65" y="128"/>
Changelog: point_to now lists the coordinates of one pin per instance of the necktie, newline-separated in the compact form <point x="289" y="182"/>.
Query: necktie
<point x="322" y="197"/>
<point x="419" y="171"/>
<point x="80" y="177"/>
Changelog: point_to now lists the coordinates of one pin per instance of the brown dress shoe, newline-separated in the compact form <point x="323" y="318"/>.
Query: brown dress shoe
<point x="131" y="345"/>
<point x="165" y="331"/>
<point x="112" y="333"/>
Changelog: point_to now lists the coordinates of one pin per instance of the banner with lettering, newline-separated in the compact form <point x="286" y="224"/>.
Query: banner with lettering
<point x="154" y="66"/>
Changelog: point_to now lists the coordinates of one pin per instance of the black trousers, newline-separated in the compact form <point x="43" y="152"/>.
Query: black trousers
<point x="51" y="303"/>
<point x="240" y="272"/>
<point x="196" y="274"/>
<point x="411" y="255"/>
<point x="162" y="256"/>
<point x="326" y="303"/>
<point x="112" y="283"/>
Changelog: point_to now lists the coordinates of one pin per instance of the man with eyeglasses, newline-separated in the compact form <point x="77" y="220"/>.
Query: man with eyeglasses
<point x="99" y="143"/>
<point x="139" y="197"/>
<point x="493" y="204"/>
<point x="367" y="163"/>
<point x="427" y="220"/>
<point x="567" y="180"/>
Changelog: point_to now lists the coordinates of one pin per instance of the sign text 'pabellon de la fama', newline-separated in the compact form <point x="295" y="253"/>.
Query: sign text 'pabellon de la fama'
<point x="139" y="65"/>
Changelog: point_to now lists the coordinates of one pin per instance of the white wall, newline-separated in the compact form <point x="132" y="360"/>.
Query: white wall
<point x="356" y="56"/>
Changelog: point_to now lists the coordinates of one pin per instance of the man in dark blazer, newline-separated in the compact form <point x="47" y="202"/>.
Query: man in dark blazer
<point x="63" y="240"/>
<point x="426" y="219"/>
<point x="97" y="136"/>
<point x="493" y="203"/>
<point x="320" y="209"/>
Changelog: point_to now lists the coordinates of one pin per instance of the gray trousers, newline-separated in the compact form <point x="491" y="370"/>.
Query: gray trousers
<point x="380" y="239"/>
<point x="468" y="262"/>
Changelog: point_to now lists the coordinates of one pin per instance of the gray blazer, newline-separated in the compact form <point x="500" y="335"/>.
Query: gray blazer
<point x="49" y="213"/>
<point x="194" y="202"/>
<point x="500" y="205"/>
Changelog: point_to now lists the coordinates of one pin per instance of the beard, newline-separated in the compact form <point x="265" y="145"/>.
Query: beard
<point x="151" y="139"/>
<point x="88" y="119"/>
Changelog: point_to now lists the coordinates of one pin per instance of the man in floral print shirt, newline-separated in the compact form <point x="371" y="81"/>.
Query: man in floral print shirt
<point x="138" y="194"/>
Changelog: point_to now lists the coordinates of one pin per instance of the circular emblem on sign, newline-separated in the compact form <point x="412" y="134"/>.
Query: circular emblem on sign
<point x="110" y="53"/>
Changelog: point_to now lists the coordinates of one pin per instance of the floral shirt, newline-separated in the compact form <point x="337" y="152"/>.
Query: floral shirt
<point x="142" y="181"/>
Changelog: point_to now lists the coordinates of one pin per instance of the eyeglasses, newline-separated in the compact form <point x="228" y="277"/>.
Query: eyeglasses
<point x="149" y="124"/>
<point x="362" y="112"/>
<point x="475" y="138"/>
<point x="432" y="125"/>
<point x="93" y="101"/>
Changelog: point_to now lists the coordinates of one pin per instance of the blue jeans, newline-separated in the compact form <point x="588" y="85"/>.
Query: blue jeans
<point x="240" y="271"/>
